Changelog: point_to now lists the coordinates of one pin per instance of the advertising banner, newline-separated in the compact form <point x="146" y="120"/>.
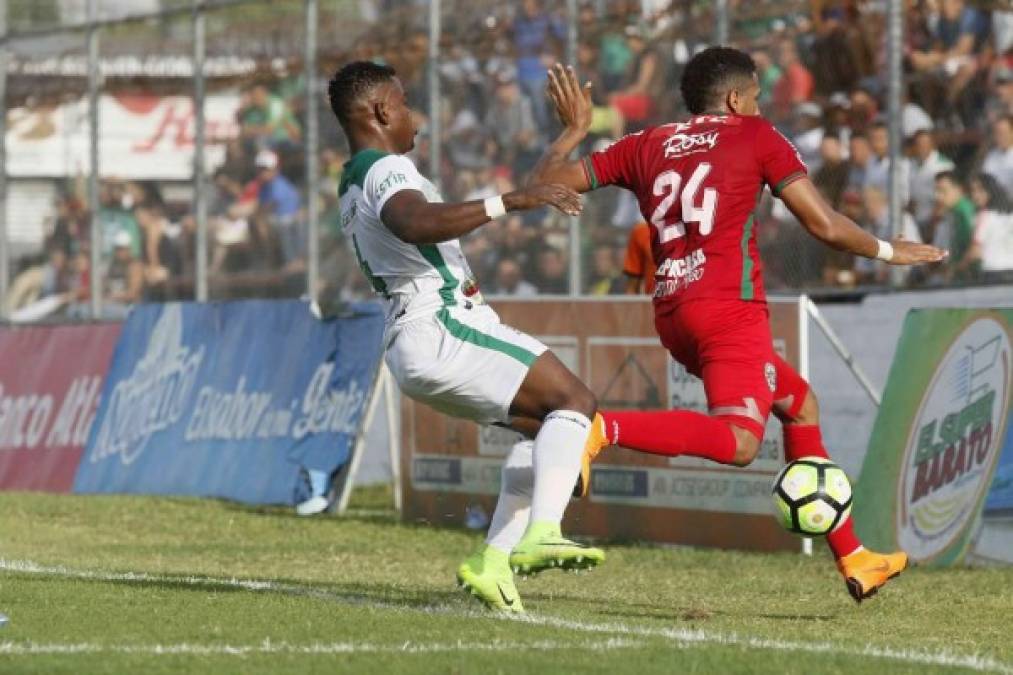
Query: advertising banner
<point x="50" y="382"/>
<point x="452" y="467"/>
<point x="143" y="136"/>
<point x="231" y="400"/>
<point x="937" y="481"/>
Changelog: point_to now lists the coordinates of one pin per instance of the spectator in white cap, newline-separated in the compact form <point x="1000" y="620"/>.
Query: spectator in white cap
<point x="280" y="197"/>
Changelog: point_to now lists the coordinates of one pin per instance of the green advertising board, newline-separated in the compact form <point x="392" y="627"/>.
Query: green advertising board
<point x="937" y="480"/>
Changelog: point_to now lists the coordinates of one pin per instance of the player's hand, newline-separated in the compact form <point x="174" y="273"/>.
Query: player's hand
<point x="573" y="102"/>
<point x="910" y="253"/>
<point x="534" y="196"/>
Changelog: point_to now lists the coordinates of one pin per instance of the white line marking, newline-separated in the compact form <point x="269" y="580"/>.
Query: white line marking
<point x="680" y="636"/>
<point x="915" y="656"/>
<point x="269" y="647"/>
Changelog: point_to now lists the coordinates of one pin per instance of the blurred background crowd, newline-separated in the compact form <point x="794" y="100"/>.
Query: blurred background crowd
<point x="821" y="69"/>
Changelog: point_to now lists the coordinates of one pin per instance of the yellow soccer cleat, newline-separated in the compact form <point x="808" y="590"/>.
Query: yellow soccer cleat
<point x="866" y="571"/>
<point x="487" y="576"/>
<point x="596" y="441"/>
<point x="543" y="547"/>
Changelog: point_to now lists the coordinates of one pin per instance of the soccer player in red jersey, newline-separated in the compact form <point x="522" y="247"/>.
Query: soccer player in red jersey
<point x="698" y="182"/>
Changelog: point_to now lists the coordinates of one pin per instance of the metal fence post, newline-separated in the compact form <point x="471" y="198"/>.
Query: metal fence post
<point x="576" y="250"/>
<point x="434" y="93"/>
<point x="95" y="274"/>
<point x="894" y="47"/>
<point x="199" y="20"/>
<point x="4" y="248"/>
<point x="311" y="142"/>
<point x="721" y="22"/>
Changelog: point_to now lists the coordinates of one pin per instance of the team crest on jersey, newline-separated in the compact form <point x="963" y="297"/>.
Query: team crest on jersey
<point x="681" y="144"/>
<point x="771" y="373"/>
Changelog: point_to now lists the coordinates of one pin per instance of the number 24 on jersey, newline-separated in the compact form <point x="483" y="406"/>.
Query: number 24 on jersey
<point x="667" y="185"/>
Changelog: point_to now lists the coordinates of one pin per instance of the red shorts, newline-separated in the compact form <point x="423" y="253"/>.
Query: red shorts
<point x="727" y="344"/>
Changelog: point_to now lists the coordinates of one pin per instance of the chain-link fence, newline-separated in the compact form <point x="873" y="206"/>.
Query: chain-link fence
<point x="258" y="217"/>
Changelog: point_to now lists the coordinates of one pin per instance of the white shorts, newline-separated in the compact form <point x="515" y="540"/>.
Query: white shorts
<point x="463" y="362"/>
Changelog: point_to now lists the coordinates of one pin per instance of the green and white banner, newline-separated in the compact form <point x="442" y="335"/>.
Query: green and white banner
<point x="937" y="480"/>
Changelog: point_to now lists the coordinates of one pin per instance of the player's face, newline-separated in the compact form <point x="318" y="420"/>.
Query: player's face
<point x="402" y="122"/>
<point x="744" y="101"/>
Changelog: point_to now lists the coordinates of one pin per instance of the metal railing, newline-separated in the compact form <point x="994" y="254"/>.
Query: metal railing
<point x="589" y="246"/>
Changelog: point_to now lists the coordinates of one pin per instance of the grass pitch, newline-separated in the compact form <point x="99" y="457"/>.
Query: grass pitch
<point x="130" y="585"/>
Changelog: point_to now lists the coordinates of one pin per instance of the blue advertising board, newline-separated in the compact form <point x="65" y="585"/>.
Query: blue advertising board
<point x="231" y="399"/>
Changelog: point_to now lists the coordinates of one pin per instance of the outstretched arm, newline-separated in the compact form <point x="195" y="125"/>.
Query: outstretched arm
<point x="573" y="105"/>
<point x="415" y="220"/>
<point x="840" y="232"/>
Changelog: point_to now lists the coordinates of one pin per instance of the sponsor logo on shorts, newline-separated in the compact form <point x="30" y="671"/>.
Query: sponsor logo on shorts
<point x="955" y="441"/>
<point x="676" y="274"/>
<point x="771" y="374"/>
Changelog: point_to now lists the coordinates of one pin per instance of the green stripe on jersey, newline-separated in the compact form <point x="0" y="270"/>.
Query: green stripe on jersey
<point x="786" y="182"/>
<point x="431" y="252"/>
<point x="747" y="291"/>
<point x="354" y="171"/>
<point x="476" y="337"/>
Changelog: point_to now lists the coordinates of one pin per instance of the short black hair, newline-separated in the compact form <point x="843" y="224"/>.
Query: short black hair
<point x="353" y="81"/>
<point x="711" y="73"/>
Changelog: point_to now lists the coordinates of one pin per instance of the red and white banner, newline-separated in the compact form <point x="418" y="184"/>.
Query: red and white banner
<point x="51" y="379"/>
<point x="142" y="137"/>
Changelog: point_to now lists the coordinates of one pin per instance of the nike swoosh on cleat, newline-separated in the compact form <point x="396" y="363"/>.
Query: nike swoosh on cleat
<point x="563" y="543"/>
<point x="508" y="601"/>
<point x="882" y="567"/>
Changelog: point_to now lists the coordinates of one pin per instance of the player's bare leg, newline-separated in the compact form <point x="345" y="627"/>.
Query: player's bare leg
<point x="864" y="571"/>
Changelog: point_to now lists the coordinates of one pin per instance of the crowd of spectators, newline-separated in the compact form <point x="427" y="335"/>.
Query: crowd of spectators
<point x="821" y="67"/>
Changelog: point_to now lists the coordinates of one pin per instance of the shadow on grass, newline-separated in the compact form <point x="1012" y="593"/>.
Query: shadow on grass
<point x="667" y="612"/>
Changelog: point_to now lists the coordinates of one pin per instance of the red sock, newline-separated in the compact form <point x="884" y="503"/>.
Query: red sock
<point x="805" y="440"/>
<point x="671" y="433"/>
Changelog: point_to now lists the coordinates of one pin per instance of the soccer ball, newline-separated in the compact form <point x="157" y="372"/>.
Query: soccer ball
<point x="812" y="496"/>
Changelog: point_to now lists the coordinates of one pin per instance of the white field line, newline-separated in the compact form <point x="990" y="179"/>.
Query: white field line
<point x="268" y="647"/>
<point x="680" y="636"/>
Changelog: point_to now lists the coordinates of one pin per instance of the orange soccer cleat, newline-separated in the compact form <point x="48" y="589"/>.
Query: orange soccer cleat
<point x="596" y="440"/>
<point x="866" y="571"/>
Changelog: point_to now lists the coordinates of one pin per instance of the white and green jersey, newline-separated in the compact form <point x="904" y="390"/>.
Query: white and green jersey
<point x="414" y="279"/>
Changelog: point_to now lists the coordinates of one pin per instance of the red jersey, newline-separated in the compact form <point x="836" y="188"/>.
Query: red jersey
<point x="698" y="183"/>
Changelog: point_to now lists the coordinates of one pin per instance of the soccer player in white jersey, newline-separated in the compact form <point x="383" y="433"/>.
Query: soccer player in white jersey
<point x="446" y="347"/>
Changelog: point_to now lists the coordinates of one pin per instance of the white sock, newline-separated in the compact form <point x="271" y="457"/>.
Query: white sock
<point x="511" y="516"/>
<point x="559" y="448"/>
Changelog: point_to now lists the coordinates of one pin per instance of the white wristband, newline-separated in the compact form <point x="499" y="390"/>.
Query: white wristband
<point x="494" y="207"/>
<point x="885" y="252"/>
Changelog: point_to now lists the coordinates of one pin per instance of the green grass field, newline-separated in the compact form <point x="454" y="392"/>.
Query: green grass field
<point x="132" y="585"/>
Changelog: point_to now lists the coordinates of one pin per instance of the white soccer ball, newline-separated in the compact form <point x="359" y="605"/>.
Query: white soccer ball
<point x="812" y="496"/>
